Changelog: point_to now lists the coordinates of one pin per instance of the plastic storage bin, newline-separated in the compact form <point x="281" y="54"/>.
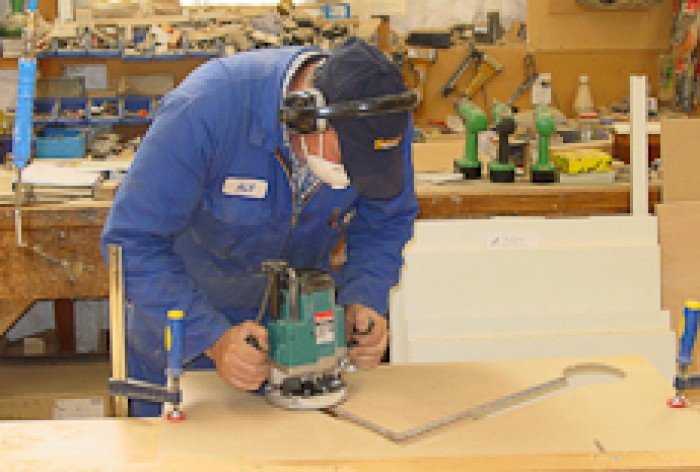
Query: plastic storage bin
<point x="137" y="109"/>
<point x="72" y="110"/>
<point x="45" y="110"/>
<point x="104" y="110"/>
<point x="60" y="143"/>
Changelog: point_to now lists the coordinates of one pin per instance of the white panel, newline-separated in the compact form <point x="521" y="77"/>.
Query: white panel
<point x="564" y="232"/>
<point x="444" y="328"/>
<point x="638" y="148"/>
<point x="532" y="281"/>
<point x="657" y="347"/>
<point x="397" y="328"/>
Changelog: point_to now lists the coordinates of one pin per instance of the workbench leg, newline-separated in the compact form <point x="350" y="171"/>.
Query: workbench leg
<point x="64" y="316"/>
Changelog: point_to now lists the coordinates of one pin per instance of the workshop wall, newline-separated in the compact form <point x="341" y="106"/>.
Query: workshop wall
<point x="567" y="41"/>
<point x="443" y="13"/>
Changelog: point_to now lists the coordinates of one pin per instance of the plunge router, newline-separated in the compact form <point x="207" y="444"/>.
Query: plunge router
<point x="307" y="346"/>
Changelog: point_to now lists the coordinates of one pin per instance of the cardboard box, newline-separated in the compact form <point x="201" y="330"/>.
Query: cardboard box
<point x="680" y="138"/>
<point x="50" y="389"/>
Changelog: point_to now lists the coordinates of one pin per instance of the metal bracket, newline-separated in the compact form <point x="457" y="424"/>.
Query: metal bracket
<point x="688" y="382"/>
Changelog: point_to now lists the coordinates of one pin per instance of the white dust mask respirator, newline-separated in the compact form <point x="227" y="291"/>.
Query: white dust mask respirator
<point x="328" y="172"/>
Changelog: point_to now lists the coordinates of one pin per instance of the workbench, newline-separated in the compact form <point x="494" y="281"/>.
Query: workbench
<point x="483" y="199"/>
<point x="596" y="423"/>
<point x="72" y="267"/>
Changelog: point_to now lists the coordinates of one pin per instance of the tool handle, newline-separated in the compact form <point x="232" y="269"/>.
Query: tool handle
<point x="504" y="129"/>
<point x="451" y="83"/>
<point x="690" y="332"/>
<point x="175" y="342"/>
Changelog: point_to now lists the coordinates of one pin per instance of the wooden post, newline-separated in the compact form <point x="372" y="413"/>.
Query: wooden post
<point x="64" y="319"/>
<point x="117" y="323"/>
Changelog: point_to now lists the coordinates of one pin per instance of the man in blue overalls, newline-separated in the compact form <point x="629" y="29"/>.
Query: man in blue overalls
<point x="224" y="181"/>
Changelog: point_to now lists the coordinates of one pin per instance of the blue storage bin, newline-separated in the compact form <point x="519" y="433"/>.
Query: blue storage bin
<point x="137" y="109"/>
<point x="104" y="110"/>
<point x="72" y="110"/>
<point x="45" y="110"/>
<point x="338" y="10"/>
<point x="60" y="143"/>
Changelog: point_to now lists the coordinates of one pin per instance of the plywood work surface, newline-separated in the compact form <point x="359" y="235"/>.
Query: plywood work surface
<point x="622" y="424"/>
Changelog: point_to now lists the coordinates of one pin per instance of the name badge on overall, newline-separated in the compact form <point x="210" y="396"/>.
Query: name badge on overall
<point x="248" y="188"/>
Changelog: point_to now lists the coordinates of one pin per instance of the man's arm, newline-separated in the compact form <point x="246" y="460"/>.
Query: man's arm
<point x="375" y="244"/>
<point x="160" y="193"/>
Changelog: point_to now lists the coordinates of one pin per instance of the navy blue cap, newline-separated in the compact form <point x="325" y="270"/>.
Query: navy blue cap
<point x="370" y="146"/>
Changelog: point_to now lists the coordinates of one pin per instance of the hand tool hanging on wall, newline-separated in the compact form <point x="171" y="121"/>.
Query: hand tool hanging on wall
<point x="420" y="60"/>
<point x="488" y="68"/>
<point x="530" y="78"/>
<point x="689" y="332"/>
<point x="475" y="121"/>
<point x="473" y="56"/>
<point x="421" y="53"/>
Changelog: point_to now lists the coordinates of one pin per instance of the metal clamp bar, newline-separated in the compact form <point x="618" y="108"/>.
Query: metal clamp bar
<point x="144" y="391"/>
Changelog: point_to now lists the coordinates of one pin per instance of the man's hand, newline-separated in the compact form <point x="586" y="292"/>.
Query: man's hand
<point x="368" y="348"/>
<point x="238" y="363"/>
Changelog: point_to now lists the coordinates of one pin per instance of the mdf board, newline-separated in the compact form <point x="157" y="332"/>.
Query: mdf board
<point x="680" y="141"/>
<point x="534" y="231"/>
<point x="537" y="282"/>
<point x="236" y="426"/>
<point x="596" y="423"/>
<point x="679" y="226"/>
<point x="523" y="282"/>
<point x="564" y="25"/>
<point x="529" y="266"/>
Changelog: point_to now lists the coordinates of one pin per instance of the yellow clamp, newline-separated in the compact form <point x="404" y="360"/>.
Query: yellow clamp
<point x="172" y="315"/>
